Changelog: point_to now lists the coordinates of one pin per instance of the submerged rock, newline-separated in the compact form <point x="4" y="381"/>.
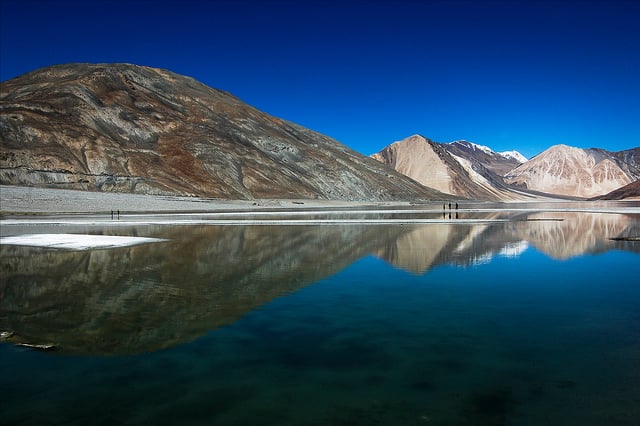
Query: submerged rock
<point x="39" y="347"/>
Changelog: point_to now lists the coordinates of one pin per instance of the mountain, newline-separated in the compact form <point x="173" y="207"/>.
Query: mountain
<point x="565" y="170"/>
<point x="498" y="163"/>
<point x="459" y="168"/>
<point x="465" y="169"/>
<point x="127" y="128"/>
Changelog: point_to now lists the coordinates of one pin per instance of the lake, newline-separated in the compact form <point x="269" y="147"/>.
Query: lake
<point x="499" y="317"/>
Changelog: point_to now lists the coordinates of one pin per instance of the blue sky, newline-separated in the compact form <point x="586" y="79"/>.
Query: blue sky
<point x="519" y="75"/>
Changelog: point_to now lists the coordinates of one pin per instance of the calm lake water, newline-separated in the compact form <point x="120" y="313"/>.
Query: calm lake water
<point x="530" y="321"/>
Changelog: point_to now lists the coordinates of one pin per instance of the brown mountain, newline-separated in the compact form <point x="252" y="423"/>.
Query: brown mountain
<point x="451" y="168"/>
<point x="127" y="128"/>
<point x="577" y="172"/>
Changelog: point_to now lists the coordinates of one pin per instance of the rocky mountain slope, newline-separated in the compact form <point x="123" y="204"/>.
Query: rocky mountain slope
<point x="126" y="128"/>
<point x="570" y="171"/>
<point x="460" y="168"/>
<point x="497" y="162"/>
<point x="469" y="170"/>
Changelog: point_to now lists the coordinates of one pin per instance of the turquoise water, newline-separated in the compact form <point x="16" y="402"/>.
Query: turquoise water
<point x="499" y="324"/>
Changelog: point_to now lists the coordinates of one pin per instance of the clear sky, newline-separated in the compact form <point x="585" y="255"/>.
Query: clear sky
<point x="519" y="75"/>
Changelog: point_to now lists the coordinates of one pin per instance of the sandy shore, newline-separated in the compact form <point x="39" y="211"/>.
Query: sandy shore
<point x="26" y="200"/>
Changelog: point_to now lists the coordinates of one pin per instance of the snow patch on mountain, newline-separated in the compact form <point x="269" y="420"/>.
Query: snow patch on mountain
<point x="474" y="146"/>
<point x="515" y="155"/>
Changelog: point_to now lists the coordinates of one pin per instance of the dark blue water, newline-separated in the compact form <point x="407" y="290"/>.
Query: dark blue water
<point x="321" y="332"/>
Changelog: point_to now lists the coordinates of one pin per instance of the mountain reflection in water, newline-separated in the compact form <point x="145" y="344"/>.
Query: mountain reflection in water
<point x="155" y="296"/>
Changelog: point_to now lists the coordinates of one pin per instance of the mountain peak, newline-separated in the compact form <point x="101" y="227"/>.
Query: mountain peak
<point x="415" y="138"/>
<point x="514" y="155"/>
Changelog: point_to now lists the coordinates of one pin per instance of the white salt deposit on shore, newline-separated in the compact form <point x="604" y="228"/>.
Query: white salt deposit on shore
<point x="75" y="241"/>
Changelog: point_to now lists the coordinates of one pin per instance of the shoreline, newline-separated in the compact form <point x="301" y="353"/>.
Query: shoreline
<point x="19" y="201"/>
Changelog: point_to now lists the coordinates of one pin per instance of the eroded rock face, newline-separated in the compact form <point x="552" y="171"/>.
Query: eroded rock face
<point x="126" y="128"/>
<point x="576" y="172"/>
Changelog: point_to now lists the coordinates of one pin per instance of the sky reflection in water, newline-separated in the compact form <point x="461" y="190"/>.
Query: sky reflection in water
<point x="311" y="325"/>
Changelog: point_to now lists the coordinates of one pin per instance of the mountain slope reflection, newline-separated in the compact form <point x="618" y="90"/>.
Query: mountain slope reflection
<point x="155" y="296"/>
<point x="575" y="234"/>
<point x="560" y="235"/>
<point x="144" y="298"/>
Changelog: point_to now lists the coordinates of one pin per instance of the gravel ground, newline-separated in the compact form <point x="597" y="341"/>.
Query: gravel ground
<point x="26" y="200"/>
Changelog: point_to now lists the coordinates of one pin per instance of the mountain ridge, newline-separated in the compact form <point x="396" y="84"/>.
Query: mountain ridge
<point x="561" y="171"/>
<point x="129" y="128"/>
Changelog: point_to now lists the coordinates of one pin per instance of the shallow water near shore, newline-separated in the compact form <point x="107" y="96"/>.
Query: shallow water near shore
<point x="527" y="320"/>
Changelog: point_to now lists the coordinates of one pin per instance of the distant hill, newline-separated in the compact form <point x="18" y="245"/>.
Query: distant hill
<point x="460" y="168"/>
<point x="470" y="170"/>
<point x="127" y="128"/>
<point x="565" y="170"/>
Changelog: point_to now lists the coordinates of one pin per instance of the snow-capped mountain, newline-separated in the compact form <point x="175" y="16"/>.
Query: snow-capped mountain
<point x="514" y="155"/>
<point x="473" y="146"/>
<point x="492" y="160"/>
